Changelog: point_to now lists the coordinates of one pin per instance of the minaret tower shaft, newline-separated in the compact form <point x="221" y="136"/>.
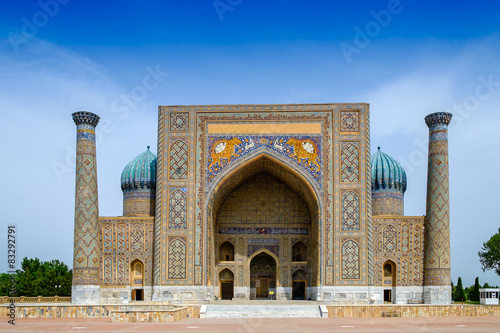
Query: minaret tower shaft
<point x="86" y="256"/>
<point x="437" y="263"/>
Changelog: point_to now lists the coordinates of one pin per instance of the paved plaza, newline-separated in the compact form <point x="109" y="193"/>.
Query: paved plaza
<point x="432" y="324"/>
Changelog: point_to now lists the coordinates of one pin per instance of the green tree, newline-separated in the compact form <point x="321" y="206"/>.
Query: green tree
<point x="489" y="256"/>
<point x="459" y="295"/>
<point x="6" y="281"/>
<point x="474" y="291"/>
<point x="37" y="278"/>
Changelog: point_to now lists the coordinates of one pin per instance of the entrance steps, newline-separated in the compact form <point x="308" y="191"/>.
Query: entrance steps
<point x="262" y="311"/>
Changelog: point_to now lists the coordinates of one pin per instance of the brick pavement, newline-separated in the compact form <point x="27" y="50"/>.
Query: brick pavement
<point x="288" y="325"/>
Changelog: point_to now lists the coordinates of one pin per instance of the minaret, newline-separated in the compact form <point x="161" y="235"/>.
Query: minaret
<point x="86" y="256"/>
<point x="437" y="265"/>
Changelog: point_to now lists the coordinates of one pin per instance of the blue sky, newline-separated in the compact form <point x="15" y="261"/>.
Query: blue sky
<point x="407" y="59"/>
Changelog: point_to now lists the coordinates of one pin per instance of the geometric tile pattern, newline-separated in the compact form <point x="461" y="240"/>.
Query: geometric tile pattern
<point x="404" y="271"/>
<point x="178" y="160"/>
<point x="121" y="270"/>
<point x="137" y="239"/>
<point x="179" y="121"/>
<point x="263" y="199"/>
<point x="349" y="121"/>
<point x="405" y="238"/>
<point x="437" y="269"/>
<point x="135" y="236"/>
<point x="254" y="248"/>
<point x="350" y="260"/>
<point x="350" y="211"/>
<point x="405" y="251"/>
<point x="417" y="239"/>
<point x="107" y="274"/>
<point x="390" y="239"/>
<point x="177" y="208"/>
<point x="107" y="237"/>
<point x="121" y="237"/>
<point x="86" y="258"/>
<point x="349" y="165"/>
<point x="160" y="204"/>
<point x="177" y="255"/>
<point x="417" y="272"/>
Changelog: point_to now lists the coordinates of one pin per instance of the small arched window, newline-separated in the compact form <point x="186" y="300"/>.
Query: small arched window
<point x="226" y="252"/>
<point x="299" y="252"/>
<point x="387" y="269"/>
<point x="137" y="272"/>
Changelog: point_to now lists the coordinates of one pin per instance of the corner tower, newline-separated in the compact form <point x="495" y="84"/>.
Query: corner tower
<point x="437" y="265"/>
<point x="86" y="256"/>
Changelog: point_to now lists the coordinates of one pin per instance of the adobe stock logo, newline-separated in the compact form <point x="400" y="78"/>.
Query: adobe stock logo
<point x="30" y="28"/>
<point x="222" y="6"/>
<point x="372" y="29"/>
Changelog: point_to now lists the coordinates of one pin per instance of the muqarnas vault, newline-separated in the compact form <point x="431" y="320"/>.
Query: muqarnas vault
<point x="259" y="202"/>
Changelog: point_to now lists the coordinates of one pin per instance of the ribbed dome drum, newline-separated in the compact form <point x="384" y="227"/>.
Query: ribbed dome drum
<point x="138" y="184"/>
<point x="388" y="185"/>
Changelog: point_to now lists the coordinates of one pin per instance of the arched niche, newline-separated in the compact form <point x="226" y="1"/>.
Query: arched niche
<point x="389" y="280"/>
<point x="226" y="251"/>
<point x="299" y="285"/>
<point x="263" y="268"/>
<point x="234" y="176"/>
<point x="137" y="280"/>
<point x="299" y="251"/>
<point x="226" y="284"/>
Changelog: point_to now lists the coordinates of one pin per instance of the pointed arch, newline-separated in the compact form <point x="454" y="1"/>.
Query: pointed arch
<point x="226" y="284"/>
<point x="263" y="269"/>
<point x="389" y="273"/>
<point x="226" y="251"/>
<point x="136" y="272"/>
<point x="299" y="251"/>
<point x="235" y="175"/>
<point x="299" y="274"/>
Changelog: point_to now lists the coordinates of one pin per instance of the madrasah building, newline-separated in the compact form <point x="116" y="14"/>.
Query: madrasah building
<point x="262" y="202"/>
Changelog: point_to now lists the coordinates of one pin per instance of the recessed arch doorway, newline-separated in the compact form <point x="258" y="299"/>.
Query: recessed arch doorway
<point x="389" y="281"/>
<point x="263" y="275"/>
<point x="264" y="205"/>
<point x="137" y="280"/>
<point x="226" y="281"/>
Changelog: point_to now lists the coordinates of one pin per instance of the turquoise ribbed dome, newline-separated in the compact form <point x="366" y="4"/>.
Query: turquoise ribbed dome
<point x="387" y="173"/>
<point x="140" y="172"/>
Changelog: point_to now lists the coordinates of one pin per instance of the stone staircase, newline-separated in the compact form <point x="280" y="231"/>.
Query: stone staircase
<point x="263" y="311"/>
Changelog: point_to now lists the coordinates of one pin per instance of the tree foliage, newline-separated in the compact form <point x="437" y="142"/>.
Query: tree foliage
<point x="489" y="256"/>
<point x="459" y="295"/>
<point x="39" y="278"/>
<point x="474" y="291"/>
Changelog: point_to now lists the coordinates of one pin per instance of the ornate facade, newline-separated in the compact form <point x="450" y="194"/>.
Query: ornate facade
<point x="262" y="201"/>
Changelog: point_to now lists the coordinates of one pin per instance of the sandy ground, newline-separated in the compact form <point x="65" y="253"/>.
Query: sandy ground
<point x="432" y="324"/>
